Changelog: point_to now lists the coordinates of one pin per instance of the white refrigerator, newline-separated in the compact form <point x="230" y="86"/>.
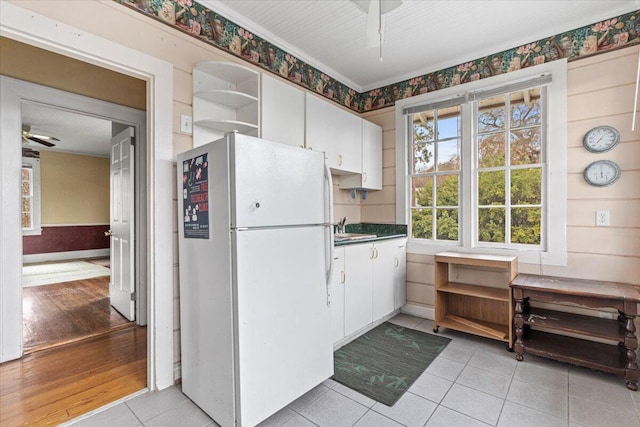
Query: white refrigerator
<point x="255" y="253"/>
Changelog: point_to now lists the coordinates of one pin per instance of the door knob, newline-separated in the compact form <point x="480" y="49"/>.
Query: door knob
<point x="108" y="233"/>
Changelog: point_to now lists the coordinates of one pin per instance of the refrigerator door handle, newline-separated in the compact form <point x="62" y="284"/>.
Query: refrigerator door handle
<point x="328" y="220"/>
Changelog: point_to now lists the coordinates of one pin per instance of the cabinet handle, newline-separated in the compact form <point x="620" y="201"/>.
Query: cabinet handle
<point x="340" y="159"/>
<point x="364" y="177"/>
<point x="342" y="277"/>
<point x="375" y="251"/>
<point x="397" y="262"/>
<point x="302" y="146"/>
<point x="371" y="253"/>
<point x="310" y="148"/>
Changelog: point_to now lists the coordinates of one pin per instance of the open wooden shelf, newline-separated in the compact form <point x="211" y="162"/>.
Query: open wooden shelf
<point x="477" y="309"/>
<point x="559" y="321"/>
<point x="476" y="327"/>
<point x="577" y="351"/>
<point x="477" y="291"/>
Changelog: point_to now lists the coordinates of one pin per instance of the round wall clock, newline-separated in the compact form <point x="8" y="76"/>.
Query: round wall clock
<point x="601" y="139"/>
<point x="602" y="173"/>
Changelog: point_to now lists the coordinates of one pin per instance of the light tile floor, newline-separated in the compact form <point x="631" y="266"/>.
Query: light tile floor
<point x="473" y="382"/>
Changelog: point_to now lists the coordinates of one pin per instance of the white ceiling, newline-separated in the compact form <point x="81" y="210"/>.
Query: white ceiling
<point x="78" y="133"/>
<point x="421" y="36"/>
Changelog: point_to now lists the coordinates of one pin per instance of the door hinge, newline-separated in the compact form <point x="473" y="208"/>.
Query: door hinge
<point x="133" y="141"/>
<point x="133" y="296"/>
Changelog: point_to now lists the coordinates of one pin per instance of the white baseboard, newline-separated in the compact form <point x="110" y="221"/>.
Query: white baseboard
<point x="418" y="311"/>
<point x="59" y="256"/>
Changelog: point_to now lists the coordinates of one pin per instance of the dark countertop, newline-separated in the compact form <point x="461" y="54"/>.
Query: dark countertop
<point x="382" y="232"/>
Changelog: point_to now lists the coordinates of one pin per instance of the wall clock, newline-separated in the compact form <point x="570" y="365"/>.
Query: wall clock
<point x="602" y="173"/>
<point x="601" y="139"/>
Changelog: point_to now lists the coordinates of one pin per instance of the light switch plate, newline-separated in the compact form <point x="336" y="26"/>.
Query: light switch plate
<point x="186" y="124"/>
<point x="602" y="218"/>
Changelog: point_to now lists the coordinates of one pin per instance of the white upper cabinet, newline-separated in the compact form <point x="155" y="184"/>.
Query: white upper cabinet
<point x="282" y="112"/>
<point x="371" y="176"/>
<point x="225" y="98"/>
<point x="335" y="132"/>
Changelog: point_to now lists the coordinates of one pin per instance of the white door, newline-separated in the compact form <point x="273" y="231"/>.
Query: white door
<point x="282" y="112"/>
<point x="122" y="284"/>
<point x="383" y="278"/>
<point x="337" y="295"/>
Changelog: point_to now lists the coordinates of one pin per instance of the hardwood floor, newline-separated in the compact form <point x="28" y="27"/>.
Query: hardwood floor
<point x="56" y="385"/>
<point x="65" y="312"/>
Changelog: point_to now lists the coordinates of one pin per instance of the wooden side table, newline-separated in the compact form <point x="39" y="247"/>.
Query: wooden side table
<point x="574" y="338"/>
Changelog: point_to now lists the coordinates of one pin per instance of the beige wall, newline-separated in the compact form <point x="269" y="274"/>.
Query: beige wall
<point x="74" y="189"/>
<point x="29" y="63"/>
<point x="599" y="91"/>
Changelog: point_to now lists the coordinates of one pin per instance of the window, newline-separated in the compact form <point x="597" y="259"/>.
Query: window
<point x="485" y="168"/>
<point x="30" y="186"/>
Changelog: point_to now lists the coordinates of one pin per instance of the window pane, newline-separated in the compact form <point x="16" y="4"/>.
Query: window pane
<point x="491" y="225"/>
<point x="449" y="155"/>
<point x="422" y="191"/>
<point x="526" y="186"/>
<point x="491" y="114"/>
<point x="449" y="123"/>
<point x="447" y="190"/>
<point x="26" y="188"/>
<point x="422" y="223"/>
<point x="525" y="146"/>
<point x="525" y="225"/>
<point x="26" y="204"/>
<point x="525" y="108"/>
<point x="423" y="126"/>
<point x="423" y="157"/>
<point x="447" y="224"/>
<point x="491" y="150"/>
<point x="26" y="220"/>
<point x="491" y="188"/>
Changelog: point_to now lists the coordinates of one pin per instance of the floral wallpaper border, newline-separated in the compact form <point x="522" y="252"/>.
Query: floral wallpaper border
<point x="209" y="26"/>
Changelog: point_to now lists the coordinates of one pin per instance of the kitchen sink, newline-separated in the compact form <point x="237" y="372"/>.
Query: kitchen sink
<point x="352" y="236"/>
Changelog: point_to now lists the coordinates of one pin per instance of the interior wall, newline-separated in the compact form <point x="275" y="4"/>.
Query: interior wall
<point x="74" y="189"/>
<point x="600" y="92"/>
<point x="74" y="204"/>
<point x="35" y="65"/>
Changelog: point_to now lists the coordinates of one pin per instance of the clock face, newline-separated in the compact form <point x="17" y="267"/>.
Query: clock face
<point x="601" y="139"/>
<point x="602" y="173"/>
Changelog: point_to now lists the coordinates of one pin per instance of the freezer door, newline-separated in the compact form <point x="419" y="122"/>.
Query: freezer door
<point x="283" y="321"/>
<point x="275" y="184"/>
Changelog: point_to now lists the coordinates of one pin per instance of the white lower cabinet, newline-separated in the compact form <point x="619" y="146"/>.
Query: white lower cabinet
<point x="370" y="277"/>
<point x="358" y="297"/>
<point x="336" y="295"/>
<point x="400" y="273"/>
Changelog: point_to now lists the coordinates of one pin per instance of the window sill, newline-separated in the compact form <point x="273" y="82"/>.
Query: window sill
<point x="34" y="232"/>
<point x="526" y="257"/>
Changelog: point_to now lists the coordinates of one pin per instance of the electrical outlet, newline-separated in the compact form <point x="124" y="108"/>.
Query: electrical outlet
<point x="186" y="124"/>
<point x="602" y="218"/>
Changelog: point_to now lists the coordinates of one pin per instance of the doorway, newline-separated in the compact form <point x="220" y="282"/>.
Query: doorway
<point x="67" y="197"/>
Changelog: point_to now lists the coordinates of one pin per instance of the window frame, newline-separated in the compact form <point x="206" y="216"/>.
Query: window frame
<point x="36" y="225"/>
<point x="553" y="250"/>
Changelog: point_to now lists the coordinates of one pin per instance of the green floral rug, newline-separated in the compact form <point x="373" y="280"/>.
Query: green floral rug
<point x="383" y="363"/>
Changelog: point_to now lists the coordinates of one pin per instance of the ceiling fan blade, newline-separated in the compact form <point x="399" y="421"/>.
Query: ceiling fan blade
<point x="41" y="141"/>
<point x="51" y="138"/>
<point x="374" y="21"/>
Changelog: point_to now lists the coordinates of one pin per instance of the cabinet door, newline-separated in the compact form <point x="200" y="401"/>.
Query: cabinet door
<point x="282" y="112"/>
<point x="400" y="273"/>
<point x="321" y="130"/>
<point x="383" y="278"/>
<point x="357" y="287"/>
<point x="371" y="175"/>
<point x="371" y="156"/>
<point x="349" y="141"/>
<point x="336" y="293"/>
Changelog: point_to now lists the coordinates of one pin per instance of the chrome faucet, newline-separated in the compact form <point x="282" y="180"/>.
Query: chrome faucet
<point x="341" y="225"/>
